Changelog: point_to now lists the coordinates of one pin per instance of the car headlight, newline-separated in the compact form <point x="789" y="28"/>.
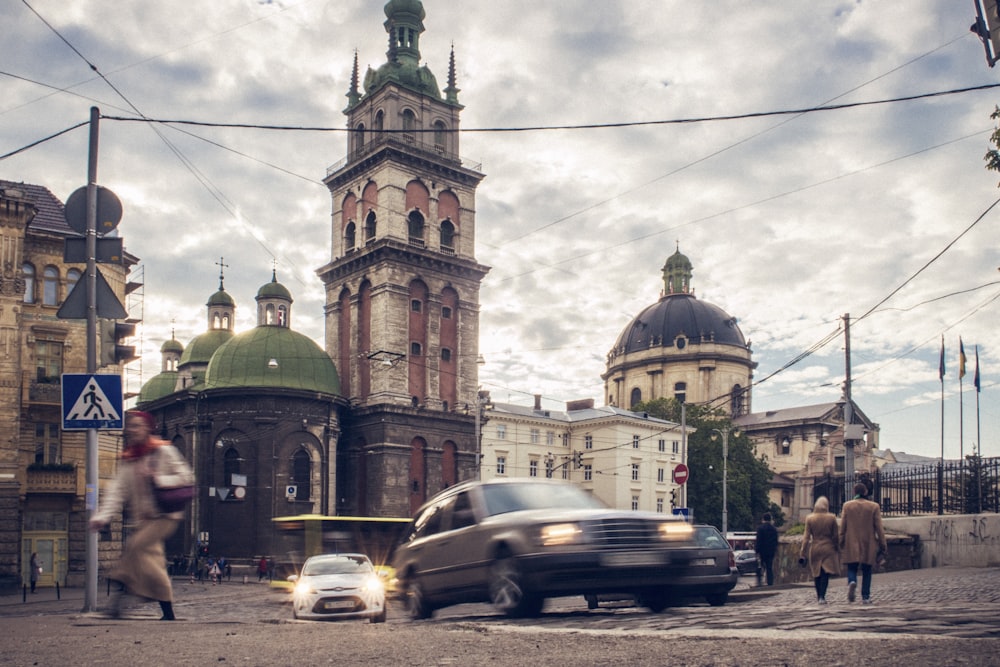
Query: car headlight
<point x="303" y="588"/>
<point x="676" y="531"/>
<point x="374" y="585"/>
<point x="560" y="533"/>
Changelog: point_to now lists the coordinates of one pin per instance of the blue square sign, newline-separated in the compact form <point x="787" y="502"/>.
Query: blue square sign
<point x="90" y="401"/>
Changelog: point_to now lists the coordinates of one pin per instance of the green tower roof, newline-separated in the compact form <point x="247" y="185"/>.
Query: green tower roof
<point x="158" y="386"/>
<point x="203" y="346"/>
<point x="270" y="356"/>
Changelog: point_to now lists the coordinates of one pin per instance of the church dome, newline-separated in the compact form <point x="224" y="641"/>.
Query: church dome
<point x="221" y="298"/>
<point x="679" y="320"/>
<point x="172" y="345"/>
<point x="158" y="386"/>
<point x="203" y="346"/>
<point x="274" y="290"/>
<point x="276" y="357"/>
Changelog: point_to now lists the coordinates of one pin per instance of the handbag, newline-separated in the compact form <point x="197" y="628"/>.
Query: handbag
<point x="171" y="490"/>
<point x="170" y="499"/>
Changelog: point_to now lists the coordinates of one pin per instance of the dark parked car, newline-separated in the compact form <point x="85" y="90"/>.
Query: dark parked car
<point x="746" y="562"/>
<point x="515" y="542"/>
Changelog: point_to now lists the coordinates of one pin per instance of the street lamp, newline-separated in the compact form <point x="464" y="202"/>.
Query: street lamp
<point x="724" y="432"/>
<point x="481" y="401"/>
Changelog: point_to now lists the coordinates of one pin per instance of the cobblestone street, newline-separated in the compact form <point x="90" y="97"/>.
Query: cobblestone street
<point x="926" y="616"/>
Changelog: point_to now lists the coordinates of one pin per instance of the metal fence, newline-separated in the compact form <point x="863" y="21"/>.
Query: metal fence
<point x="971" y="486"/>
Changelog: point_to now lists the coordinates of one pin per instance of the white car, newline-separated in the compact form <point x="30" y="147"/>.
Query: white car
<point x="338" y="586"/>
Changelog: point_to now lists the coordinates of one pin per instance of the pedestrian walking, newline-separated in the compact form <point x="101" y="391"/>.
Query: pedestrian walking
<point x="820" y="547"/>
<point x="36" y="571"/>
<point x="861" y="540"/>
<point x="766" y="546"/>
<point x="143" y="565"/>
<point x="262" y="568"/>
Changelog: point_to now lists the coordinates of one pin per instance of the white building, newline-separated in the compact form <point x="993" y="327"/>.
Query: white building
<point x="624" y="458"/>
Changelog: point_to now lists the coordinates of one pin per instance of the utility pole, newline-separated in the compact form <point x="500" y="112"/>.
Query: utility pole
<point x="848" y="415"/>
<point x="90" y="592"/>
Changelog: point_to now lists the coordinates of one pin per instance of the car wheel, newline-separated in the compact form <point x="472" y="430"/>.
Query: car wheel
<point x="507" y="590"/>
<point x="416" y="600"/>
<point x="378" y="618"/>
<point x="718" y="599"/>
<point x="591" y="601"/>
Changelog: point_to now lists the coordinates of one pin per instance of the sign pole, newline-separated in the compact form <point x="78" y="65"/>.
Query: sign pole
<point x="90" y="592"/>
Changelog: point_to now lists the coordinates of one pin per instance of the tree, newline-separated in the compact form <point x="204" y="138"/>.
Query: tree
<point x="749" y="478"/>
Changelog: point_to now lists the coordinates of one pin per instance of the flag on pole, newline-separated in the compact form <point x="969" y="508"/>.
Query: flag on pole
<point x="961" y="359"/>
<point x="975" y="378"/>
<point x="941" y="363"/>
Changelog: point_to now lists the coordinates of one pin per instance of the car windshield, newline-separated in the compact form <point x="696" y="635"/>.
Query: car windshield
<point x="706" y="536"/>
<point x="340" y="565"/>
<point x="502" y="498"/>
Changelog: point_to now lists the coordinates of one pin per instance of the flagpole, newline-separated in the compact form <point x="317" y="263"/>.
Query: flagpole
<point x="979" y="439"/>
<point x="941" y="378"/>
<point x="961" y="422"/>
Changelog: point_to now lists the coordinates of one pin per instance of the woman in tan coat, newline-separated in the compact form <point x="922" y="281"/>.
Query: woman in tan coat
<point x="143" y="566"/>
<point x="820" y="546"/>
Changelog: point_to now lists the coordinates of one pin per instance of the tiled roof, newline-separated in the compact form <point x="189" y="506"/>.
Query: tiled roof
<point x="51" y="214"/>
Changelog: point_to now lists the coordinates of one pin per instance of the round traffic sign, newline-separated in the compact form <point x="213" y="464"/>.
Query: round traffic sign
<point x="680" y="473"/>
<point x="109" y="210"/>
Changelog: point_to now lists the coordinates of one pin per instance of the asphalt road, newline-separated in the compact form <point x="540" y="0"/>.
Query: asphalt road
<point x="945" y="616"/>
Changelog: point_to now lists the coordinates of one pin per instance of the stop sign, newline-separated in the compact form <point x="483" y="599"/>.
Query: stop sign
<point x="680" y="473"/>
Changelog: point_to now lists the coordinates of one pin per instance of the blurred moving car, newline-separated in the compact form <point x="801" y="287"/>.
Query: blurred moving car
<point x="702" y="568"/>
<point x="746" y="562"/>
<point x="515" y="542"/>
<point x="338" y="586"/>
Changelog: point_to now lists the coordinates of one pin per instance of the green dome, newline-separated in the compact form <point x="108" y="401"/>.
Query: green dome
<point x="274" y="290"/>
<point x="271" y="356"/>
<point x="221" y="298"/>
<point x="413" y="7"/>
<point x="172" y="345"/>
<point x="203" y="346"/>
<point x="159" y="386"/>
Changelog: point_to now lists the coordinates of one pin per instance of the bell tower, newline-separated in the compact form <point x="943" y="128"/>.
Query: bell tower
<point x="402" y="286"/>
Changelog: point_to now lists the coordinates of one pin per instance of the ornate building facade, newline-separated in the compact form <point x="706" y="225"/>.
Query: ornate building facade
<point x="42" y="482"/>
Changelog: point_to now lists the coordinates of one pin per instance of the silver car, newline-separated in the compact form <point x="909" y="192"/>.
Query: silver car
<point x="515" y="542"/>
<point x="338" y="586"/>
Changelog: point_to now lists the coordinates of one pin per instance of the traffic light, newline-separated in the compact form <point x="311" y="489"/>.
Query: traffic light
<point x="112" y="333"/>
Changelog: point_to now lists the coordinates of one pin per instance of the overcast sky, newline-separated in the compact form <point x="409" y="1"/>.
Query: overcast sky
<point x="791" y="221"/>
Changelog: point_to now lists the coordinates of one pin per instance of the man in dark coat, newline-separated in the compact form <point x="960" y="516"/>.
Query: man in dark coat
<point x="767" y="546"/>
<point x="861" y="539"/>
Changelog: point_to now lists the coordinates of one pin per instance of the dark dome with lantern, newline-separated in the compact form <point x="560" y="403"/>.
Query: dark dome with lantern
<point x="678" y="318"/>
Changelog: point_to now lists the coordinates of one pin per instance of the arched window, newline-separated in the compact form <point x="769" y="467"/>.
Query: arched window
<point x="359" y="136"/>
<point x="301" y="474"/>
<point x="636" y="397"/>
<point x="439" y="135"/>
<point x="230" y="466"/>
<point x="72" y="278"/>
<point x="269" y="314"/>
<point x="409" y="125"/>
<point x="50" y="286"/>
<point x="447" y="235"/>
<point x="416" y="228"/>
<point x="370" y="227"/>
<point x="29" y="282"/>
<point x="349" y="236"/>
<point x="737" y="404"/>
<point x="282" y="316"/>
<point x="379" y="122"/>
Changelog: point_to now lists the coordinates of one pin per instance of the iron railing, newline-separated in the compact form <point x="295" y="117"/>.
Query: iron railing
<point x="971" y="486"/>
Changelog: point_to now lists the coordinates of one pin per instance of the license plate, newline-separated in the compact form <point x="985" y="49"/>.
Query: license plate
<point x="636" y="559"/>
<point x="703" y="561"/>
<point x="339" y="604"/>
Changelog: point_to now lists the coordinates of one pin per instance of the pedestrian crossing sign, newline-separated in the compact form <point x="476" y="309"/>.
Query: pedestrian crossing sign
<point x="91" y="401"/>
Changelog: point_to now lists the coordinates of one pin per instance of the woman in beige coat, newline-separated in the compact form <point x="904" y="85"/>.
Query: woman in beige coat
<point x="143" y="566"/>
<point x="820" y="546"/>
